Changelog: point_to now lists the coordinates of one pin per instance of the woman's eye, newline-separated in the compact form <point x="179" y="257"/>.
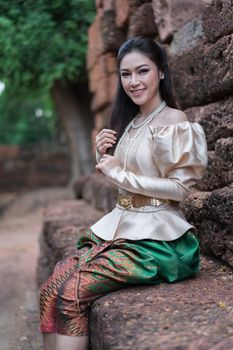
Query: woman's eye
<point x="143" y="71"/>
<point x="124" y="74"/>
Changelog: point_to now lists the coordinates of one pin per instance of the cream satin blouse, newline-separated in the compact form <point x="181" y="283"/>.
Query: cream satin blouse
<point x="164" y="162"/>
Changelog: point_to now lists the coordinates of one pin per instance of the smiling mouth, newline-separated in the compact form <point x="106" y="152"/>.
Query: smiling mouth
<point x="137" y="92"/>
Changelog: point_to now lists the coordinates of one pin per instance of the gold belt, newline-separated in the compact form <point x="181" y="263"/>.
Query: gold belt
<point x="139" y="200"/>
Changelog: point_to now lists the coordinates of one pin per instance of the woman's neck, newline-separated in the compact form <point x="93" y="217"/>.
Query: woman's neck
<point x="146" y="110"/>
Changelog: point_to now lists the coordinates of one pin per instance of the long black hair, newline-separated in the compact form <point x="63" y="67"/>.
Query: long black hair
<point x="124" y="109"/>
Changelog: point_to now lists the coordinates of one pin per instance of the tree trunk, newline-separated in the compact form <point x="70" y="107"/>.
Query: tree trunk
<point x="72" y="103"/>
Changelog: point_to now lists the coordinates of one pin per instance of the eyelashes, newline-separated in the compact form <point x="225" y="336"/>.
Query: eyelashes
<point x="141" y="72"/>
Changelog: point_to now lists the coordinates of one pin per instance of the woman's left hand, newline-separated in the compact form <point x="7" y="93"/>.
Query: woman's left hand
<point x="106" y="163"/>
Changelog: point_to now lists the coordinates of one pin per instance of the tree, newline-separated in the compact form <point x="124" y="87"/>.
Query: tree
<point x="43" y="46"/>
<point x="24" y="121"/>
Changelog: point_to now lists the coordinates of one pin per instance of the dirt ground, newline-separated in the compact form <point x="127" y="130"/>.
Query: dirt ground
<point x="20" y="226"/>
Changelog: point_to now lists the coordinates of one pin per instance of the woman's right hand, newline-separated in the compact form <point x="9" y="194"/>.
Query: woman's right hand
<point x="104" y="140"/>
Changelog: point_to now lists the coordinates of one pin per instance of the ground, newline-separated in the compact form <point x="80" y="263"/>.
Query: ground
<point x="20" y="226"/>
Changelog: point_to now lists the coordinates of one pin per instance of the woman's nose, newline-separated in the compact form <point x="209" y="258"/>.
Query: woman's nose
<point x="134" y="80"/>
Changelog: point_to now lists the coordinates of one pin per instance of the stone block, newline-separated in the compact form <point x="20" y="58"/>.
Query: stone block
<point x="112" y="86"/>
<point x="108" y="4"/>
<point x="195" y="314"/>
<point x="217" y="235"/>
<point x="98" y="4"/>
<point x="101" y="97"/>
<point x="204" y="73"/>
<point x="102" y="118"/>
<point x="142" y="22"/>
<point x="105" y="197"/>
<point x="171" y="15"/>
<point x="216" y="118"/>
<point x="104" y="68"/>
<point x="54" y="247"/>
<point x="220" y="166"/>
<point x="110" y="63"/>
<point x="97" y="191"/>
<point x="101" y="121"/>
<point x="224" y="160"/>
<point x="211" y="179"/>
<point x="95" y="42"/>
<point x="186" y="37"/>
<point x="105" y="93"/>
<point x="219" y="206"/>
<point x="78" y="185"/>
<point x="97" y="73"/>
<point x="112" y="36"/>
<point x="69" y="213"/>
<point x="217" y="19"/>
<point x="192" y="208"/>
<point x="61" y="229"/>
<point x="122" y="8"/>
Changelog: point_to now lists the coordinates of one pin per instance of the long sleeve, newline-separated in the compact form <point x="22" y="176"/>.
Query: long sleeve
<point x="180" y="153"/>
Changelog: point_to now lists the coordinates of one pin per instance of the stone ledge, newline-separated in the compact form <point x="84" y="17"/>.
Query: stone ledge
<point x="195" y="314"/>
<point x="97" y="191"/>
<point x="62" y="226"/>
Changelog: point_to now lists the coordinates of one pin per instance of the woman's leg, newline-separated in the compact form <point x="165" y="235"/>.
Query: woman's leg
<point x="64" y="342"/>
<point x="49" y="340"/>
<point x="104" y="269"/>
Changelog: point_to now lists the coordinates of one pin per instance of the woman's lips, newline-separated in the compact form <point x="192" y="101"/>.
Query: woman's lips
<point x="137" y="93"/>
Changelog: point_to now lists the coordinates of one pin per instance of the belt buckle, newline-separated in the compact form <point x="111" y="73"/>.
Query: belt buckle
<point x="126" y="201"/>
<point x="156" y="202"/>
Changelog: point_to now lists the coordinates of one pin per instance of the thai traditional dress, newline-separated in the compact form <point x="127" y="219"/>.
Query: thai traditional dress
<point x="134" y="243"/>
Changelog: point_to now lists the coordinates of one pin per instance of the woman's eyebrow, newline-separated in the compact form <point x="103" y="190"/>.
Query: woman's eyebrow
<point x="140" y="66"/>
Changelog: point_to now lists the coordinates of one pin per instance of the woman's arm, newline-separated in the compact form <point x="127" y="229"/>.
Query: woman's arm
<point x="180" y="153"/>
<point x="149" y="186"/>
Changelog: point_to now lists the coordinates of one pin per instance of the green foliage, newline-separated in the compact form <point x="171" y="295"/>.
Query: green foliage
<point x="42" y="41"/>
<point x="26" y="120"/>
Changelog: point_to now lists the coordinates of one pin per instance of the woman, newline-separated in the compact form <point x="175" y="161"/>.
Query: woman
<point x="157" y="156"/>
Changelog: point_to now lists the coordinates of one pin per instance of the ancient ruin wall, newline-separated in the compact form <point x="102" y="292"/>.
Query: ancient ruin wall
<point x="198" y="37"/>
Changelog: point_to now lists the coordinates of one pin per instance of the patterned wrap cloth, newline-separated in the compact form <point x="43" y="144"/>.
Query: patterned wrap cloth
<point x="100" y="267"/>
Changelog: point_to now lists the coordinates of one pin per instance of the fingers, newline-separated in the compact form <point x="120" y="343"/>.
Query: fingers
<point x="110" y="131"/>
<point x="105" y="139"/>
<point x="106" y="133"/>
<point x="105" y="157"/>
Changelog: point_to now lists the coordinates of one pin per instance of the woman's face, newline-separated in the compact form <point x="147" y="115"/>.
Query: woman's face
<point x="140" y="79"/>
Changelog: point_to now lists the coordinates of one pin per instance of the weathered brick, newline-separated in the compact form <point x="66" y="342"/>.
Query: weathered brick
<point x="122" y="13"/>
<point x="112" y="36"/>
<point x="204" y="73"/>
<point x="95" y="42"/>
<point x="216" y="118"/>
<point x="217" y="224"/>
<point x="142" y="22"/>
<point x="171" y="15"/>
<point x="217" y="19"/>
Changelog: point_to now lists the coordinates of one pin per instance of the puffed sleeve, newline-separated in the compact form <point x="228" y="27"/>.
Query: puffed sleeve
<point x="180" y="153"/>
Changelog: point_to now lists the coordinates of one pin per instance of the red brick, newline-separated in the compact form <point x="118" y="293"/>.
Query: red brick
<point x="171" y="15"/>
<point x="95" y="43"/>
<point x="122" y="12"/>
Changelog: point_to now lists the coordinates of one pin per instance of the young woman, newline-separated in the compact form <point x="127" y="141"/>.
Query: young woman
<point x="157" y="156"/>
